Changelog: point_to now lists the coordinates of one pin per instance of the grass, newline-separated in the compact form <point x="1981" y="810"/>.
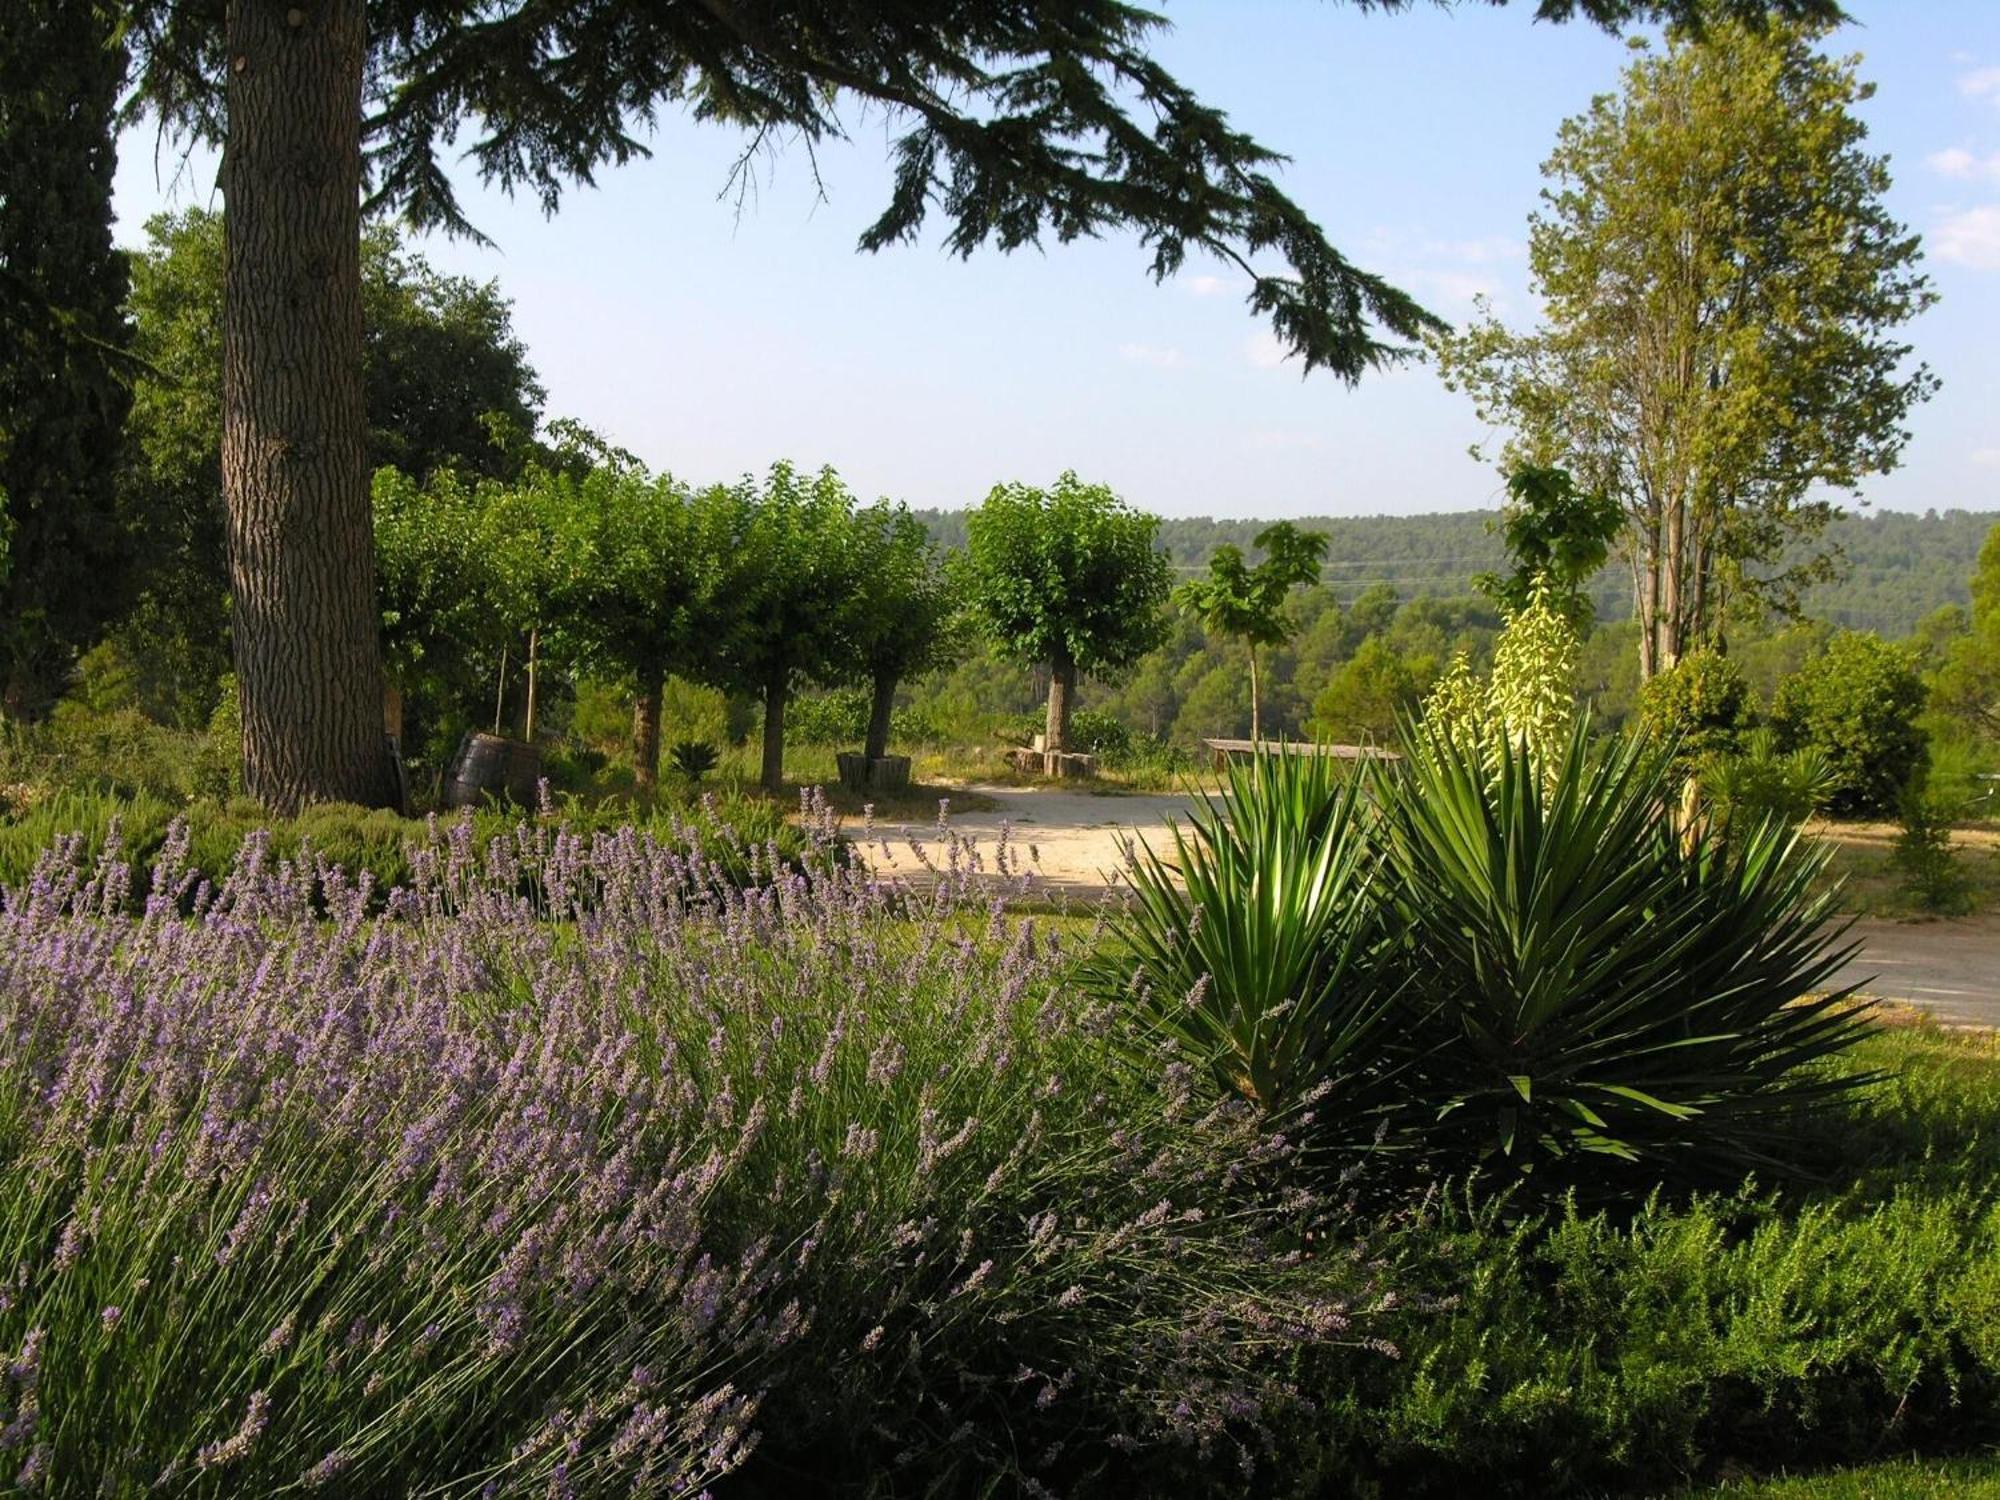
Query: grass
<point x="1896" y="1479"/>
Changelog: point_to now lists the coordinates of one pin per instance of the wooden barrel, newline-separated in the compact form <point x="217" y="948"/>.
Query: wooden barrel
<point x="889" y="773"/>
<point x="489" y="768"/>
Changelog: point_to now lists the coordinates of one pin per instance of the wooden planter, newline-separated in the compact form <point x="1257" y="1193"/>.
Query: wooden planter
<point x="489" y="768"/>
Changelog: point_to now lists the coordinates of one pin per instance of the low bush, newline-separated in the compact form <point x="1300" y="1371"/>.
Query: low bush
<point x="1924" y="853"/>
<point x="1590" y="1354"/>
<point x="799" y="1190"/>
<point x="1857" y="703"/>
<point x="1758" y="782"/>
<point x="1702" y="703"/>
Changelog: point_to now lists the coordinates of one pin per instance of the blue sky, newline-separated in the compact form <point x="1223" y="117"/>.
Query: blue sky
<point x="711" y="342"/>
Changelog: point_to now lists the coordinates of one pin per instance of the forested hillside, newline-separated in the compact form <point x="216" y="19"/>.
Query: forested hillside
<point x="1899" y="566"/>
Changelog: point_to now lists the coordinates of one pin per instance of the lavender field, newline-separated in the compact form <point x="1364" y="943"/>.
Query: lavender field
<point x="638" y="1182"/>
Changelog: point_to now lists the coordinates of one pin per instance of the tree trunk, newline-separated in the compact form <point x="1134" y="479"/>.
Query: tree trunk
<point x="646" y="735"/>
<point x="534" y="660"/>
<point x="774" y="731"/>
<point x="879" y="712"/>
<point x="392" y="710"/>
<point x="1254" y="727"/>
<point x="301" y="544"/>
<point x="1062" y="695"/>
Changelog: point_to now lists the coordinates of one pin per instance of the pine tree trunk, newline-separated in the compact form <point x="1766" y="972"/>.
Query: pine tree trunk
<point x="646" y="736"/>
<point x="774" y="732"/>
<point x="879" y="714"/>
<point x="1062" y="696"/>
<point x="301" y="543"/>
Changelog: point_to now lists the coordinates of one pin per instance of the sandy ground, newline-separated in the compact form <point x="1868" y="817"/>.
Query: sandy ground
<point x="1073" y="843"/>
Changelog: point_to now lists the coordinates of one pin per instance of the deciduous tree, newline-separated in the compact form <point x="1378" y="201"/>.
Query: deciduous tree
<point x="1066" y="578"/>
<point x="1249" y="603"/>
<point x="1723" y="286"/>
<point x="902" y="612"/>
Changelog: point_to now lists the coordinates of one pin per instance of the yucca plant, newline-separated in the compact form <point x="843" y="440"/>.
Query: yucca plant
<point x="694" y="759"/>
<point x="1608" y="984"/>
<point x="1254" y="942"/>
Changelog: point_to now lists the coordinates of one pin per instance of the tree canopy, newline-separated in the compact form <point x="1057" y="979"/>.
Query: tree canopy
<point x="63" y="340"/>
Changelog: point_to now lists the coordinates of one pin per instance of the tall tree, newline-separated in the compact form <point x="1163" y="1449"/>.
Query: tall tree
<point x="63" y="336"/>
<point x="1066" y="578"/>
<point x="1023" y="119"/>
<point x="1249" y="603"/>
<point x="1723" y="286"/>
<point x="445" y="383"/>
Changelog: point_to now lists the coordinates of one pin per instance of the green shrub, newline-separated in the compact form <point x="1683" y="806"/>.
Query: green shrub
<point x="1857" y="704"/>
<point x="1759" y="782"/>
<point x="1608" y="987"/>
<point x="737" y="835"/>
<point x="1579" y="1354"/>
<point x="1702" y="703"/>
<point x="694" y="759"/>
<point x="1094" y="732"/>
<point x="1924" y="853"/>
<point x="839" y="717"/>
<point x="1255" y="945"/>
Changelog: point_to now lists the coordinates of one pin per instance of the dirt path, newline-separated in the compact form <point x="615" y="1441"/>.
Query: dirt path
<point x="1073" y="842"/>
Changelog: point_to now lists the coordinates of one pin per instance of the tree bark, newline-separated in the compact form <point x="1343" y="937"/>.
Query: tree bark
<point x="646" y="735"/>
<point x="1254" y="727"/>
<point x="1062" y="696"/>
<point x="774" y="731"/>
<point x="301" y="545"/>
<point x="879" y="713"/>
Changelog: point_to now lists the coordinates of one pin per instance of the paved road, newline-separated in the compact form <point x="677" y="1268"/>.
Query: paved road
<point x="1949" y="968"/>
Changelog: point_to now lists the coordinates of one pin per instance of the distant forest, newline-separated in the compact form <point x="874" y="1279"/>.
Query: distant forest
<point x="1899" y="567"/>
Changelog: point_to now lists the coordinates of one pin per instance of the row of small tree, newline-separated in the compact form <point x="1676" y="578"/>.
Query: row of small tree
<point x="754" y="587"/>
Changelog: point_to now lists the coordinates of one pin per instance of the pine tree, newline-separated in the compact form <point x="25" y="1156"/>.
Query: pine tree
<point x="63" y="395"/>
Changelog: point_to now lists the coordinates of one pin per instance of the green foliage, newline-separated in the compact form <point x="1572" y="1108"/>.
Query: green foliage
<point x="1558" y="537"/>
<point x="1255" y="946"/>
<point x="1249" y="603"/>
<point x="1857" y="703"/>
<point x="1581" y="1355"/>
<point x="1924" y="854"/>
<point x="1068" y="574"/>
<point x="447" y="386"/>
<point x="1967" y="682"/>
<point x="694" y="759"/>
<point x="1371" y="693"/>
<point x="1701" y="702"/>
<point x="1759" y="781"/>
<point x="63" y="343"/>
<point x="1728" y="176"/>
<point x="1609" y="987"/>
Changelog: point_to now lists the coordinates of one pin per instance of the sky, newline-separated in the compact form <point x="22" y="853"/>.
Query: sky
<point x="712" y="336"/>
